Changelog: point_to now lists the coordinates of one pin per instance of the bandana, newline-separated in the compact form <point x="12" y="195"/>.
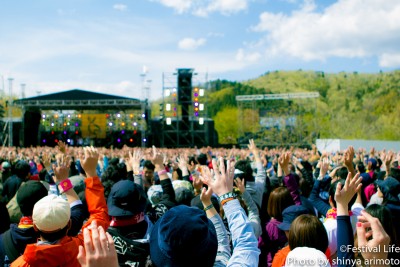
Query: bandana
<point x="332" y="214"/>
<point x="25" y="222"/>
<point x="120" y="222"/>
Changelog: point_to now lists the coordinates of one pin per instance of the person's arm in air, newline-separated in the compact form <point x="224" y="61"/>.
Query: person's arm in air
<point x="253" y="214"/>
<point x="289" y="180"/>
<point x="245" y="245"/>
<point x="77" y="210"/>
<point x="94" y="192"/>
<point x="345" y="237"/>
<point x="321" y="206"/>
<point x="224" y="250"/>
<point x="256" y="189"/>
<point x="182" y="164"/>
<point x="134" y="162"/>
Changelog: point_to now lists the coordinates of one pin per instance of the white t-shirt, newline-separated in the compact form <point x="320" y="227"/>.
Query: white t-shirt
<point x="331" y="226"/>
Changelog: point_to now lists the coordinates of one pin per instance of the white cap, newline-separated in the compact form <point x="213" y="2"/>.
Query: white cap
<point x="305" y="256"/>
<point x="51" y="213"/>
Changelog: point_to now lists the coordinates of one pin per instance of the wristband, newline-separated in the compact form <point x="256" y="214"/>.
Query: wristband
<point x="162" y="172"/>
<point x="209" y="207"/>
<point x="66" y="185"/>
<point x="226" y="196"/>
<point x="223" y="202"/>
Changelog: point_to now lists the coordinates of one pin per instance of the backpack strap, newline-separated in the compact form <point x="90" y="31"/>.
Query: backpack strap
<point x="9" y="248"/>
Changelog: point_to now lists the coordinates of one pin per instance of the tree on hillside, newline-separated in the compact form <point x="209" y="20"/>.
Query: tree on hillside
<point x="1" y="111"/>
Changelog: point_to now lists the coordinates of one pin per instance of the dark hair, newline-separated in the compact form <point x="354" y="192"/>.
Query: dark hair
<point x="244" y="166"/>
<point x="308" y="231"/>
<point x="42" y="174"/>
<point x="378" y="163"/>
<point x="192" y="159"/>
<point x="361" y="167"/>
<point x="202" y="159"/>
<point x="110" y="176"/>
<point x="279" y="199"/>
<point x="385" y="217"/>
<point x="395" y="173"/>
<point x="22" y="169"/>
<point x="148" y="165"/>
<point x="342" y="173"/>
<point x="54" y="236"/>
<point x="72" y="169"/>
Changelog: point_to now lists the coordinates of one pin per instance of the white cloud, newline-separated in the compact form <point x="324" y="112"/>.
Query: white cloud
<point x="203" y="8"/>
<point x="241" y="55"/>
<point x="120" y="7"/>
<point x="389" y="60"/>
<point x="190" y="43"/>
<point x="216" y="34"/>
<point x="180" y="6"/>
<point x="346" y="29"/>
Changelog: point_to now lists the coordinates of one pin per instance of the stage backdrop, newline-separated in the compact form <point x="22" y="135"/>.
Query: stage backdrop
<point x="94" y="125"/>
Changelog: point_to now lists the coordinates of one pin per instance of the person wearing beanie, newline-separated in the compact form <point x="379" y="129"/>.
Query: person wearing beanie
<point x="51" y="218"/>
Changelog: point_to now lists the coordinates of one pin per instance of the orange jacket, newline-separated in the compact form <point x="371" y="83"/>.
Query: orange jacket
<point x="65" y="253"/>
<point x="280" y="257"/>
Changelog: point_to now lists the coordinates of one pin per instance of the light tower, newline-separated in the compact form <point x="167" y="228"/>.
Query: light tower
<point x="10" y="103"/>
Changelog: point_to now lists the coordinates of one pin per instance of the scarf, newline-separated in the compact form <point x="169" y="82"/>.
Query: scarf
<point x="25" y="222"/>
<point x="332" y="214"/>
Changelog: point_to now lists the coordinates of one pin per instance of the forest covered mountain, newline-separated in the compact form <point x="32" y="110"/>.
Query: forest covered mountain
<point x="349" y="106"/>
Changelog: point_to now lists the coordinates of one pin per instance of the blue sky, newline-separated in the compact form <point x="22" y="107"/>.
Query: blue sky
<point x="102" y="45"/>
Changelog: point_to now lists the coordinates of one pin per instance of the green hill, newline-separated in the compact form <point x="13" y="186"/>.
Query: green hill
<point x="350" y="106"/>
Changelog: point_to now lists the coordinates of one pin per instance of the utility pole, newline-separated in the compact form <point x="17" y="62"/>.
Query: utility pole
<point x="23" y="90"/>
<point x="10" y="104"/>
<point x="145" y="95"/>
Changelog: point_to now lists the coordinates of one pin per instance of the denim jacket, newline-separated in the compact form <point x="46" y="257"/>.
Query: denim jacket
<point x="245" y="244"/>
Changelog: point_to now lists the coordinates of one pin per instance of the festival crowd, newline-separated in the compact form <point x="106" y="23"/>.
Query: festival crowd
<point x="184" y="207"/>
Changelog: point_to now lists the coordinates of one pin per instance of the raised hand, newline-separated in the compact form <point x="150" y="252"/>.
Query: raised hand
<point x="240" y="185"/>
<point x="283" y="161"/>
<point x="46" y="160"/>
<point x="388" y="158"/>
<point x="61" y="170"/>
<point x="372" y="238"/>
<point x="62" y="147"/>
<point x="324" y="167"/>
<point x="205" y="196"/>
<point x="99" y="250"/>
<point x="89" y="161"/>
<point x="344" y="194"/>
<point x="134" y="160"/>
<point x="182" y="164"/>
<point x="222" y="182"/>
<point x="157" y="158"/>
<point x="348" y="159"/>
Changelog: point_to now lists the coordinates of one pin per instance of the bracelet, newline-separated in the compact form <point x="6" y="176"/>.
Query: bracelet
<point x="162" y="172"/>
<point x="209" y="207"/>
<point x="66" y="185"/>
<point x="223" y="202"/>
<point x="227" y="195"/>
<point x="195" y="173"/>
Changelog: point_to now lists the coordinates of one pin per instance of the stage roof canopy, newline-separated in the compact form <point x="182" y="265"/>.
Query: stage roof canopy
<point x="78" y="99"/>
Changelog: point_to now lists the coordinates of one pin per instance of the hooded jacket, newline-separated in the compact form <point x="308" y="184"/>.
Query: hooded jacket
<point x="20" y="237"/>
<point x="65" y="252"/>
<point x="62" y="254"/>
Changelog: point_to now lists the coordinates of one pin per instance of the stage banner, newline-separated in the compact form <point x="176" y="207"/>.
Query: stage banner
<point x="94" y="125"/>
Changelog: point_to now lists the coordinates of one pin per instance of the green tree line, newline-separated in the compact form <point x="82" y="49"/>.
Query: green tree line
<point x="350" y="106"/>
